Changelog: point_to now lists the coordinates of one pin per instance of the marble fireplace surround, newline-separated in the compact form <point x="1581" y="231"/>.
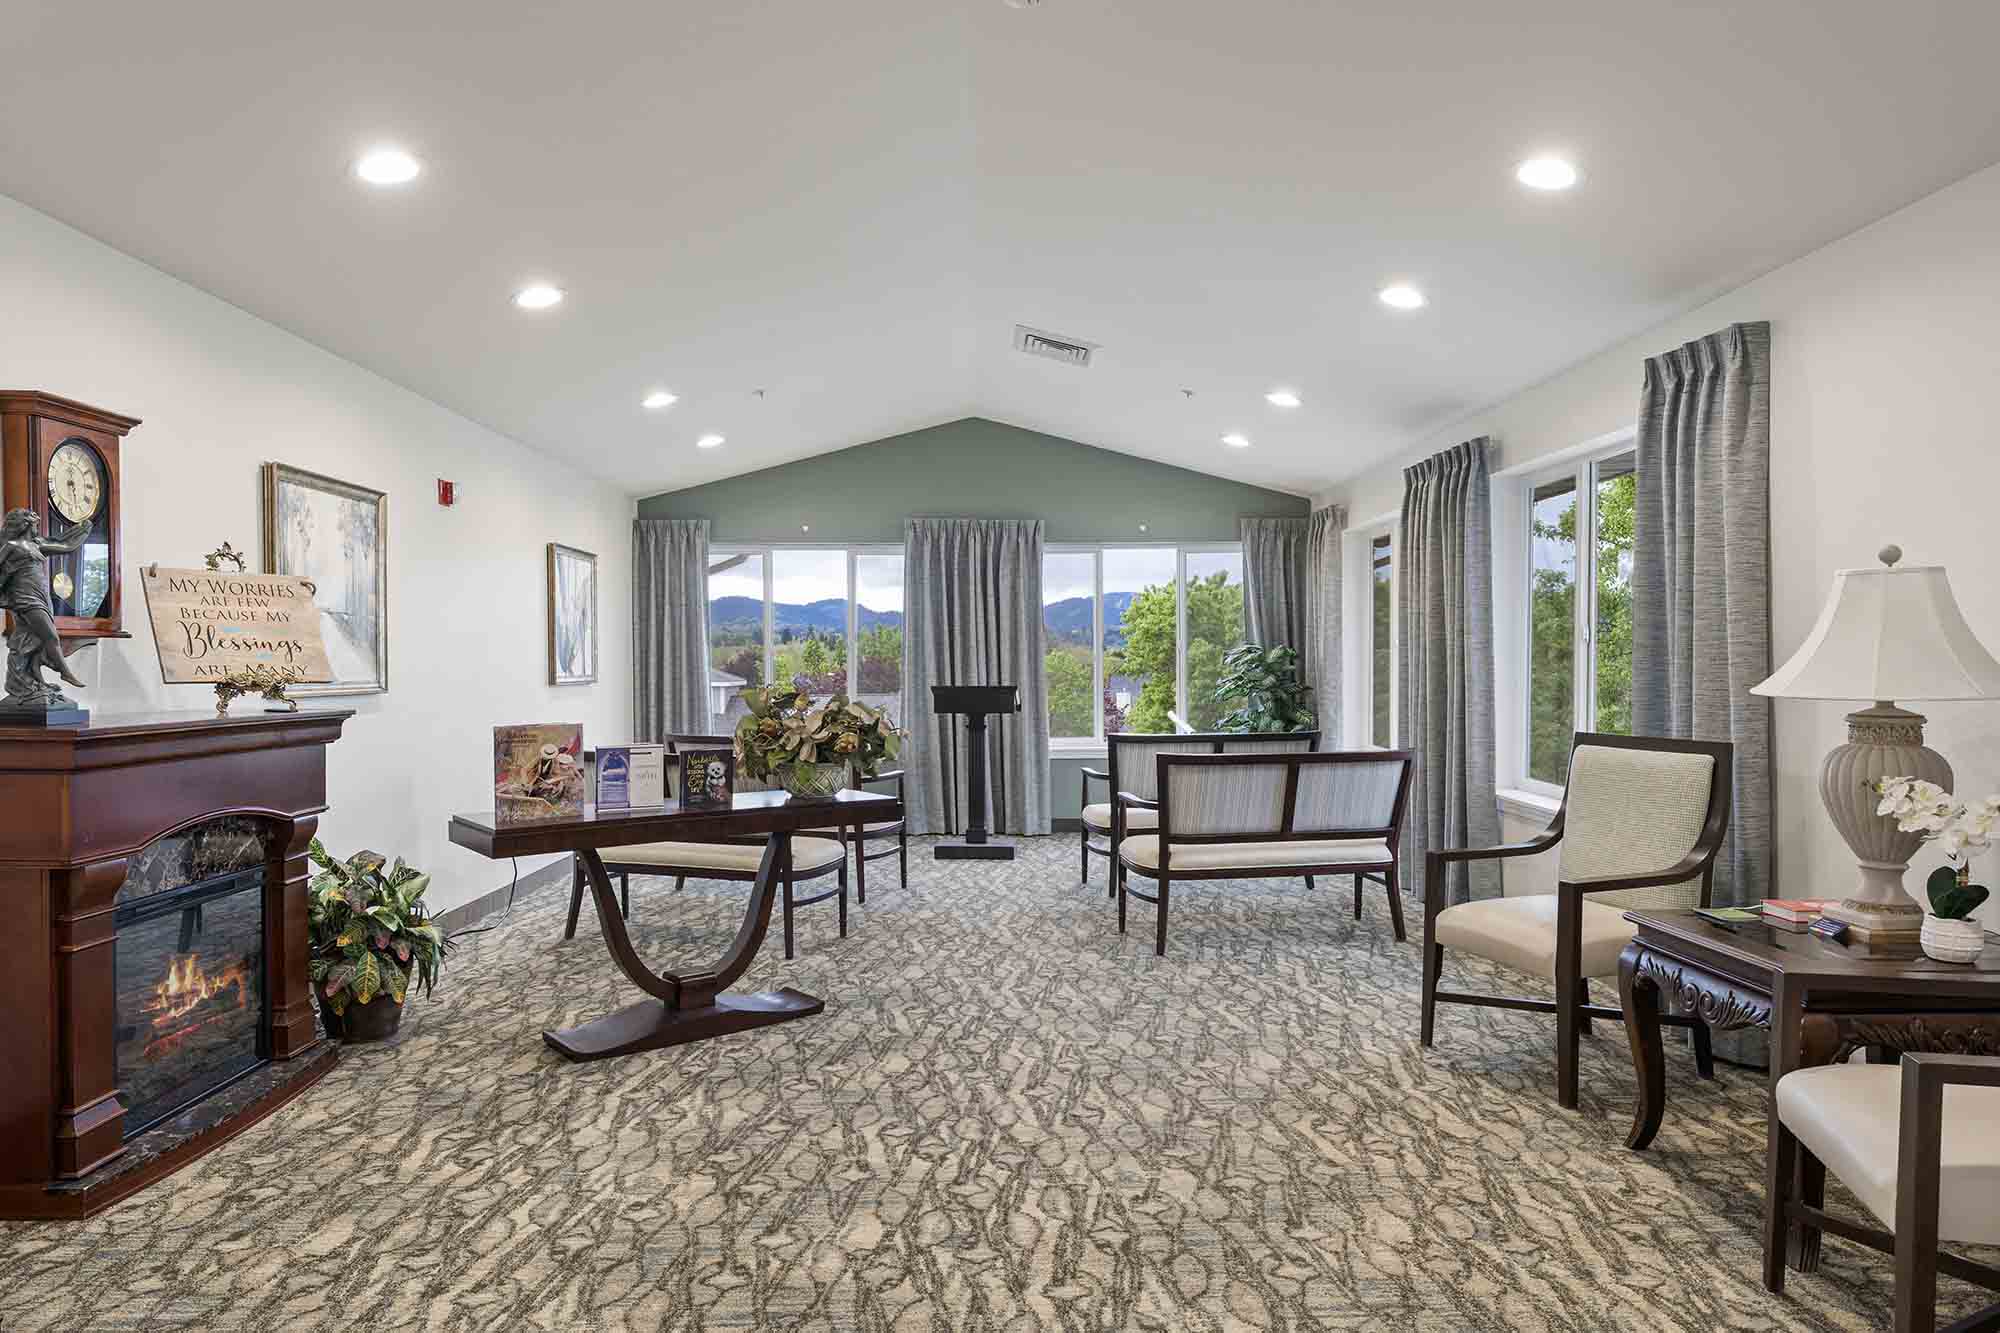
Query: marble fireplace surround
<point x="136" y="805"/>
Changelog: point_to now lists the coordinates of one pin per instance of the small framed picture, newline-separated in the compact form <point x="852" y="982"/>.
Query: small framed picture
<point x="708" y="779"/>
<point x="572" y="615"/>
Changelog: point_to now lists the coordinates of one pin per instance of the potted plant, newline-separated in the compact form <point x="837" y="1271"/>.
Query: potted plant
<point x="1264" y="684"/>
<point x="370" y="934"/>
<point x="1949" y="934"/>
<point x="807" y="747"/>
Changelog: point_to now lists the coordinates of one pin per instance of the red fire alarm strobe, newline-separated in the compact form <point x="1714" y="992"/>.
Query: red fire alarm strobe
<point x="447" y="492"/>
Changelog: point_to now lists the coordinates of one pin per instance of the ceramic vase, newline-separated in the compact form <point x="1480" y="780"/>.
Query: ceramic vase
<point x="1951" y="939"/>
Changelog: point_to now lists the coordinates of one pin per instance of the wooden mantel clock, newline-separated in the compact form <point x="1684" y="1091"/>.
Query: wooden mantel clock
<point x="60" y="459"/>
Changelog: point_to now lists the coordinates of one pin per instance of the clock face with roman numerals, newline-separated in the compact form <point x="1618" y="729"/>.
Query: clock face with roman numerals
<point x="76" y="485"/>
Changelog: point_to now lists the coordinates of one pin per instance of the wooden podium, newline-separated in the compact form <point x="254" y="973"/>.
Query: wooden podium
<point x="975" y="703"/>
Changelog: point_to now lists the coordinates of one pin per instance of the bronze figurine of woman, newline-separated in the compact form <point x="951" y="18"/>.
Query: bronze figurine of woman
<point x="24" y="591"/>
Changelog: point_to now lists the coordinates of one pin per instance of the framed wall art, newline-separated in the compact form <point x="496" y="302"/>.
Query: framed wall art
<point x="335" y="534"/>
<point x="572" y="615"/>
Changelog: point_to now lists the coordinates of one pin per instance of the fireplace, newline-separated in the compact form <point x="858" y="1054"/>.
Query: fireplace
<point x="154" y="872"/>
<point x="191" y="1014"/>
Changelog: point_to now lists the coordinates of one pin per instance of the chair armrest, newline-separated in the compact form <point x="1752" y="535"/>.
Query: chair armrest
<point x="1978" y="1070"/>
<point x="1682" y="871"/>
<point x="1136" y="802"/>
<point x="894" y="775"/>
<point x="1097" y="773"/>
<point x="1437" y="859"/>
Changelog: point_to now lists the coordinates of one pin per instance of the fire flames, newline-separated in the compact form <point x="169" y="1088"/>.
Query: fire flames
<point x="187" y="987"/>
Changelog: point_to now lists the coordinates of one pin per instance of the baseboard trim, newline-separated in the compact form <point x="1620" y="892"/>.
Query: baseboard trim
<point x="487" y="904"/>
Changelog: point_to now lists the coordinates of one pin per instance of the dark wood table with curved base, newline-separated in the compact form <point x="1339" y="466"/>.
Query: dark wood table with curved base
<point x="683" y="1006"/>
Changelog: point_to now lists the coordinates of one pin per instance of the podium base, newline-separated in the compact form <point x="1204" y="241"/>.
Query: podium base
<point x="974" y="851"/>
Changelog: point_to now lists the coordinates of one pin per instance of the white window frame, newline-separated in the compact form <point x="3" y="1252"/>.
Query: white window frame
<point x="1358" y="723"/>
<point x="1093" y="744"/>
<point x="768" y="552"/>
<point x="1577" y="464"/>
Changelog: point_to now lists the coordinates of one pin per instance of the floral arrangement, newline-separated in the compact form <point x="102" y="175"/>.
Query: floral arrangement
<point x="369" y="929"/>
<point x="1926" y="809"/>
<point x="787" y="726"/>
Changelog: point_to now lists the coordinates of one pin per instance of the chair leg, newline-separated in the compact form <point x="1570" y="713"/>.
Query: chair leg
<point x="903" y="854"/>
<point x="1809" y="1188"/>
<point x="1569" y="980"/>
<point x="1357" y="897"/>
<point x="680" y="882"/>
<point x="1395" y="903"/>
<point x="1309" y="882"/>
<point x="860" y="873"/>
<point x="1160" y="922"/>
<point x="1782" y="1154"/>
<point x="1583" y="1001"/>
<point x="575" y="897"/>
<point x="1118" y="891"/>
<point x="788" y="918"/>
<point x="1083" y="847"/>
<point x="843" y="899"/>
<point x="1433" y="966"/>
<point x="1704" y="1050"/>
<point x="625" y="894"/>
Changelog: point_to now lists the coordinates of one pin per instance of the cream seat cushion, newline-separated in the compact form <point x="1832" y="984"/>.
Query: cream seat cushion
<point x="1099" y="817"/>
<point x="1143" y="852"/>
<point x="807" y="854"/>
<point x="1849" y="1116"/>
<point x="1521" y="933"/>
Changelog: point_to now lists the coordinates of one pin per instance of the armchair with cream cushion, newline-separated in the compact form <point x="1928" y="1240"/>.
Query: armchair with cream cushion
<point x="1919" y="1146"/>
<point x="1129" y="768"/>
<point x="1641" y="821"/>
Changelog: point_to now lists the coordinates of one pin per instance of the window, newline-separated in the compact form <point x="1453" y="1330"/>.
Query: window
<point x="827" y="620"/>
<point x="1381" y="662"/>
<point x="1136" y="636"/>
<point x="1579" y="639"/>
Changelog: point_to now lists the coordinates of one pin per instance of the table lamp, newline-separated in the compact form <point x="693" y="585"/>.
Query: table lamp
<point x="1884" y="634"/>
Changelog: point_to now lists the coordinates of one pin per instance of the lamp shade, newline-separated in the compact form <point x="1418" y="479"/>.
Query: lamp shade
<point x="1888" y="634"/>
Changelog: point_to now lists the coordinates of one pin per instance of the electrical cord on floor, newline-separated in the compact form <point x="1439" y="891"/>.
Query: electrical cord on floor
<point x="505" y="912"/>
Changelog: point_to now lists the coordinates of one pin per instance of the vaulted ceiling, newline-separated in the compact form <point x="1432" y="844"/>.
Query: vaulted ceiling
<point x="850" y="207"/>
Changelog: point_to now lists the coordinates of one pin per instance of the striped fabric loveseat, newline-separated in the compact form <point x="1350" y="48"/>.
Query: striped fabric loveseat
<point x="1254" y="816"/>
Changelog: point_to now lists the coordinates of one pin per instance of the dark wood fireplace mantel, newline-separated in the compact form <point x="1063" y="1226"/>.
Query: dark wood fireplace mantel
<point x="78" y="802"/>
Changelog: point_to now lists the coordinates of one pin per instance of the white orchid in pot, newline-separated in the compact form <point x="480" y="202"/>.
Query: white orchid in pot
<point x="1950" y="935"/>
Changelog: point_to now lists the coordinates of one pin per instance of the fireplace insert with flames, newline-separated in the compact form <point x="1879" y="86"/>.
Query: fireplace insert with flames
<point x="191" y="994"/>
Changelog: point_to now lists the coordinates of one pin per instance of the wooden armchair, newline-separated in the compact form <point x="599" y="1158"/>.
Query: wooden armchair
<point x="1919" y="1146"/>
<point x="898" y="829"/>
<point x="1641" y="821"/>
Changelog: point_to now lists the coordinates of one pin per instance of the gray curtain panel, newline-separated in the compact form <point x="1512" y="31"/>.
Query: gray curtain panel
<point x="1701" y="573"/>
<point x="1327" y="529"/>
<point x="669" y="627"/>
<point x="972" y="615"/>
<point x="1445" y="685"/>
<point x="1276" y="584"/>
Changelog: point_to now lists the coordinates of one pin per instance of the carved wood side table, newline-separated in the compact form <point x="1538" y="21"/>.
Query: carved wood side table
<point x="1819" y="1001"/>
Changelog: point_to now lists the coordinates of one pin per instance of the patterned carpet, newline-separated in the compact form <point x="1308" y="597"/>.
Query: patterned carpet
<point x="1009" y="1118"/>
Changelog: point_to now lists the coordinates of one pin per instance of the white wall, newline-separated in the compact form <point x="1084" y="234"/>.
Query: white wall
<point x="220" y="393"/>
<point x="1884" y="428"/>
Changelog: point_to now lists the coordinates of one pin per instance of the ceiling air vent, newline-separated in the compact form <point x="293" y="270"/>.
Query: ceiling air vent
<point x="1036" y="342"/>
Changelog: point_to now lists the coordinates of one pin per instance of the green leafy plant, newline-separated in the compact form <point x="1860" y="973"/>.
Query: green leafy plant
<point x="1952" y="896"/>
<point x="1264" y="683"/>
<point x="788" y="726"/>
<point x="370" y="932"/>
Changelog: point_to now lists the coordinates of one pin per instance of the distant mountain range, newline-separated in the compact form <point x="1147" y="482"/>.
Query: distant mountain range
<point x="828" y="616"/>
<point x="1069" y="620"/>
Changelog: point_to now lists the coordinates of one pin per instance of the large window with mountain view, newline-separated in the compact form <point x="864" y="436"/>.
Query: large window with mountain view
<point x="1579" y="640"/>
<point x="826" y="620"/>
<point x="1136" y="636"/>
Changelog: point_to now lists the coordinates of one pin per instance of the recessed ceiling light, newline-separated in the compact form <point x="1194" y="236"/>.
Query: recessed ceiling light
<point x="1546" y="173"/>
<point x="1282" y="398"/>
<point x="538" y="296"/>
<point x="387" y="166"/>
<point x="658" y="399"/>
<point x="708" y="442"/>
<point x="1236" y="440"/>
<point x="1402" y="297"/>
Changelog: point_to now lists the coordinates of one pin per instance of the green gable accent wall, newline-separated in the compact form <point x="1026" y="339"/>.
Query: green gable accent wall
<point x="977" y="468"/>
<point x="972" y="468"/>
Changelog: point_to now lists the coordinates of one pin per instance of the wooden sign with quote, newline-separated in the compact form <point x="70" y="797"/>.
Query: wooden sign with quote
<point x="207" y="623"/>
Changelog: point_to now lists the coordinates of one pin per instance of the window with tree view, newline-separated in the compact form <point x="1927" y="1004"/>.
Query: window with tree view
<point x="1579" y="612"/>
<point x="1381" y="658"/>
<point x="827" y="621"/>
<point x="1136" y="634"/>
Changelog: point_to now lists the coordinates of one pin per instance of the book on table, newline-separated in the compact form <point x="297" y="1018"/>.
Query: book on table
<point x="1800" y="911"/>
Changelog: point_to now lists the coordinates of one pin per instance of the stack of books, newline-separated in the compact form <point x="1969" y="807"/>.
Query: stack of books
<point x="1794" y="914"/>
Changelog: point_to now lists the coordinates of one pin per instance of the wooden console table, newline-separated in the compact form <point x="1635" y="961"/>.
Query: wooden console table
<point x="1819" y="1001"/>
<point x="684" y="1006"/>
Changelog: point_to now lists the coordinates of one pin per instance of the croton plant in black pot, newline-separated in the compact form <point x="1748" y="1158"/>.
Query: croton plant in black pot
<point x="371" y="936"/>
